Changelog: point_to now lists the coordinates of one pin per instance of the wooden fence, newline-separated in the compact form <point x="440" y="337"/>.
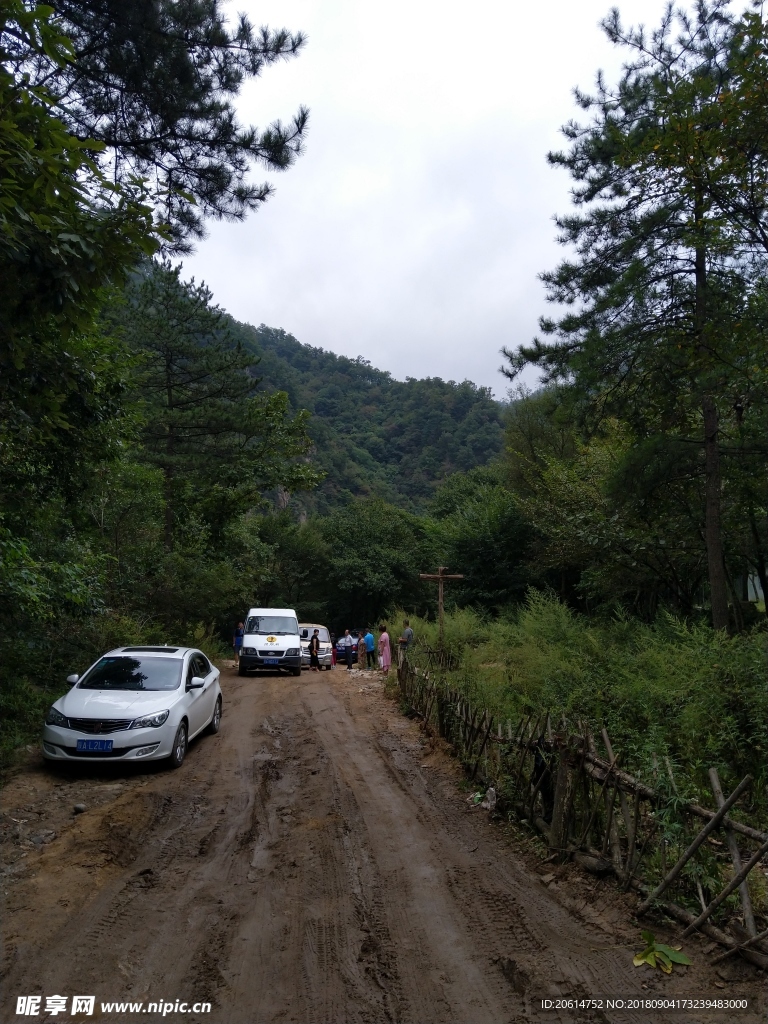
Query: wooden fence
<point x="592" y="811"/>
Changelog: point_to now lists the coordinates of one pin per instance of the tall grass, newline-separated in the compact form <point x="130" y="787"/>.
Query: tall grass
<point x="673" y="690"/>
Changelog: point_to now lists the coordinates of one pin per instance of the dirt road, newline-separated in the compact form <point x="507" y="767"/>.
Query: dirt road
<point x="314" y="861"/>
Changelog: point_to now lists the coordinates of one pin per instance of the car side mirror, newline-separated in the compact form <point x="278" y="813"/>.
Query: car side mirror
<point x="196" y="683"/>
<point x="72" y="679"/>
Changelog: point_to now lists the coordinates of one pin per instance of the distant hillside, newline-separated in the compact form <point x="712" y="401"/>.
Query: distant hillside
<point x="376" y="435"/>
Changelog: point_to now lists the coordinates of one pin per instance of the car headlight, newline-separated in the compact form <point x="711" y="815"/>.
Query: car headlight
<point x="249" y="650"/>
<point x="292" y="652"/>
<point x="151" y="721"/>
<point x="55" y="717"/>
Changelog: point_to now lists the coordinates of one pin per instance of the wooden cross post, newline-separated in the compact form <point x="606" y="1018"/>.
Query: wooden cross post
<point x="439" y="577"/>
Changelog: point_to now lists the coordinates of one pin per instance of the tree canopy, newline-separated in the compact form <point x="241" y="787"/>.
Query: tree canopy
<point x="154" y="83"/>
<point x="665" y="311"/>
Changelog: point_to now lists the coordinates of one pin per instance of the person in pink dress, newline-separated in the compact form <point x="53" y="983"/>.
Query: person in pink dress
<point x="385" y="655"/>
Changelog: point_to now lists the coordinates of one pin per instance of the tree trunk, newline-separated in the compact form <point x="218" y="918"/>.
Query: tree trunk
<point x="762" y="571"/>
<point x="169" y="450"/>
<point x="168" y="531"/>
<point x="718" y="587"/>
<point x="718" y="592"/>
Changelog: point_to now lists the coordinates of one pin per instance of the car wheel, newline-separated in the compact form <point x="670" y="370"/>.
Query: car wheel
<point x="215" y="723"/>
<point x="179" y="751"/>
<point x="296" y="671"/>
<point x="241" y="670"/>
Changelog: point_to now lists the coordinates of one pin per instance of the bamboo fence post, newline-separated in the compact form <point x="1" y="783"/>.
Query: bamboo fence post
<point x="737" y="949"/>
<point x="482" y="745"/>
<point x="733" y="884"/>
<point x="476" y="731"/>
<point x="610" y="827"/>
<point x="632" y="839"/>
<point x="622" y="797"/>
<point x="536" y="788"/>
<point x="558" y="830"/>
<point x="611" y="831"/>
<point x="523" y="752"/>
<point x="708" y="828"/>
<point x="469" y="728"/>
<point x="595" y="805"/>
<point x="733" y="849"/>
<point x="574" y="783"/>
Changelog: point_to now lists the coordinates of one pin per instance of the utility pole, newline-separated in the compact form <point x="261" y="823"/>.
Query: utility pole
<point x="439" y="577"/>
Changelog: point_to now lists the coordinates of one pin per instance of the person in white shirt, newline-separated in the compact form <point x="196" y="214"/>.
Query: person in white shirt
<point x="348" y="643"/>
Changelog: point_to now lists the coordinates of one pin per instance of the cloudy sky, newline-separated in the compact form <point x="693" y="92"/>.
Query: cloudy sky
<point x="412" y="229"/>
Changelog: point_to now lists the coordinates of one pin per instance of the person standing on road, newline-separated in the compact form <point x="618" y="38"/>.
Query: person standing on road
<point x="361" y="650"/>
<point x="314" y="652"/>
<point x="406" y="639"/>
<point x="385" y="654"/>
<point x="346" y="643"/>
<point x="370" y="649"/>
<point x="237" y="640"/>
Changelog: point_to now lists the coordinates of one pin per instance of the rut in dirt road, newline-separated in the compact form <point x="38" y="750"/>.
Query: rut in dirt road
<point x="303" y="865"/>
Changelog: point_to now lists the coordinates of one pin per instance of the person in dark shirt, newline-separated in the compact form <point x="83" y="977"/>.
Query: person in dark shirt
<point x="314" y="652"/>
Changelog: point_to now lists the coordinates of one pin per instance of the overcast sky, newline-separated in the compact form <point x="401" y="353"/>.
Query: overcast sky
<point x="412" y="229"/>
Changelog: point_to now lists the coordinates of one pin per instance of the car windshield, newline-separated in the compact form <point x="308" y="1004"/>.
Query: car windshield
<point x="280" y="625"/>
<point x="123" y="673"/>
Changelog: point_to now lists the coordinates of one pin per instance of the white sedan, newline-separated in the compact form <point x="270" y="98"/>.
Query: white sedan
<point x="135" y="704"/>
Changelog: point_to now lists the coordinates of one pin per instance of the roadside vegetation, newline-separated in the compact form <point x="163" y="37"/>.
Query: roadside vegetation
<point x="669" y="690"/>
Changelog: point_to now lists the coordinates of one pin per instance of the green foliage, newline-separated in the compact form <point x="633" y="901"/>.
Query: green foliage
<point x="376" y="553"/>
<point x="375" y="436"/>
<point x="657" y="954"/>
<point x="663" y="320"/>
<point x="218" y="444"/>
<point x="670" y="689"/>
<point x="482" y="533"/>
<point x="154" y="82"/>
<point x="22" y="709"/>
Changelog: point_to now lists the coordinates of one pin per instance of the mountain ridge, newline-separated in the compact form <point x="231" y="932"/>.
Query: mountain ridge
<point x="376" y="436"/>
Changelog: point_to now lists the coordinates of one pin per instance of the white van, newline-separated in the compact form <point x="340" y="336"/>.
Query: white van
<point x="271" y="640"/>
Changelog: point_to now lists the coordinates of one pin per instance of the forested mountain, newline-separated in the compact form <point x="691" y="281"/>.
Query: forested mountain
<point x="374" y="435"/>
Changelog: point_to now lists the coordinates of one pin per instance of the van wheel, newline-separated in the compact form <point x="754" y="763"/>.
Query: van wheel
<point x="296" y="671"/>
<point x="241" y="670"/>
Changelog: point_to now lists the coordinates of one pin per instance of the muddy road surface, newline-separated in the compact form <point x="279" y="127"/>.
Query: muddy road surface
<point x="316" y="861"/>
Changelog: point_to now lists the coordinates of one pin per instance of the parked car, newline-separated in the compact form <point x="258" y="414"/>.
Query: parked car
<point x="271" y="640"/>
<point x="341" y="653"/>
<point x="135" y="704"/>
<point x="306" y="629"/>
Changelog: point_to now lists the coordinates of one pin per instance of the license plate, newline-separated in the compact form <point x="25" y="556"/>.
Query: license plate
<point x="271" y="661"/>
<point x="102" y="746"/>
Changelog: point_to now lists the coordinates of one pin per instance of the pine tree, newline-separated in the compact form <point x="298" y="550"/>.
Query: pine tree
<point x="154" y="83"/>
<point x="204" y="423"/>
<point x="661" y="323"/>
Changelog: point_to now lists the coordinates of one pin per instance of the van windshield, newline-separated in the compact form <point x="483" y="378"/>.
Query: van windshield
<point x="280" y="625"/>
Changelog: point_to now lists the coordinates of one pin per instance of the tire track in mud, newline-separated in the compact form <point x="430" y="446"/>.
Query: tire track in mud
<point x="302" y="866"/>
